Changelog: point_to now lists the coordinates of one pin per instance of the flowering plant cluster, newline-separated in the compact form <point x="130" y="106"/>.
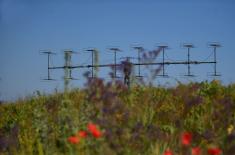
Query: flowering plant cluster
<point x="186" y="140"/>
<point x="92" y="129"/>
<point x="142" y="120"/>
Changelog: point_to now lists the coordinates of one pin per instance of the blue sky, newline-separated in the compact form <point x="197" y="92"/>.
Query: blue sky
<point x="26" y="26"/>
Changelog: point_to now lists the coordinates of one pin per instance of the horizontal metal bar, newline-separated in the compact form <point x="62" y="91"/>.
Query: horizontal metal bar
<point x="176" y="63"/>
<point x="56" y="67"/>
<point x="140" y="64"/>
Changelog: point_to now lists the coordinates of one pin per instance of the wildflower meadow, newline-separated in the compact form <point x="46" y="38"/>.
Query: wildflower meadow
<point x="107" y="118"/>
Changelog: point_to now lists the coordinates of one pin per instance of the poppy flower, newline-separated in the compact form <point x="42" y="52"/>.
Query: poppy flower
<point x="94" y="130"/>
<point x="73" y="139"/>
<point x="96" y="133"/>
<point x="214" y="151"/>
<point x="82" y="134"/>
<point x="186" y="138"/>
<point x="168" y="152"/>
<point x="196" y="151"/>
<point x="91" y="127"/>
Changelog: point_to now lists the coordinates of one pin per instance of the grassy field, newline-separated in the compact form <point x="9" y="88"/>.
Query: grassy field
<point x="109" y="119"/>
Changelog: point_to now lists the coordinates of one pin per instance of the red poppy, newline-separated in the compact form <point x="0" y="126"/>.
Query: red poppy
<point x="214" y="151"/>
<point x="91" y="127"/>
<point x="186" y="138"/>
<point x="196" y="151"/>
<point x="82" y="134"/>
<point x="96" y="133"/>
<point x="168" y="152"/>
<point x="73" y="139"/>
<point x="94" y="130"/>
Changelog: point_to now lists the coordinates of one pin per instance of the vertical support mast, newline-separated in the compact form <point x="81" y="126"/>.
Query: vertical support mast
<point x="67" y="69"/>
<point x="215" y="61"/>
<point x="188" y="46"/>
<point x="163" y="61"/>
<point x="215" y="46"/>
<point x="188" y="61"/>
<point x="163" y="47"/>
<point x="115" y="50"/>
<point x="139" y="49"/>
<point x="49" y="53"/>
<point x="139" y="63"/>
<point x="48" y="65"/>
<point x="92" y="63"/>
<point x="115" y="64"/>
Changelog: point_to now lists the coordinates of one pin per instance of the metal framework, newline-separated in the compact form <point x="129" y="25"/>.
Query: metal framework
<point x="68" y="67"/>
<point x="115" y="50"/>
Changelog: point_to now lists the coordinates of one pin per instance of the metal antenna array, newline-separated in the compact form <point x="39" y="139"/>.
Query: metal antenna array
<point x="92" y="60"/>
<point x="115" y="50"/>
<point x="48" y="53"/>
<point x="163" y="47"/>
<point x="68" y="67"/>
<point x="188" y="46"/>
<point x="215" y="46"/>
<point x="139" y="50"/>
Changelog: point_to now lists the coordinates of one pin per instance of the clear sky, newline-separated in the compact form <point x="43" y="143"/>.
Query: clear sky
<point x="26" y="26"/>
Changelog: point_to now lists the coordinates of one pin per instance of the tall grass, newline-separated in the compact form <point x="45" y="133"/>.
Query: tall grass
<point x="141" y="120"/>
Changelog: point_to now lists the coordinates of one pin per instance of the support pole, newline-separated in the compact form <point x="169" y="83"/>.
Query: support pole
<point x="115" y="64"/>
<point x="48" y="66"/>
<point x="215" y="46"/>
<point x="188" y="46"/>
<point x="189" y="62"/>
<point x="49" y="53"/>
<point x="163" y="61"/>
<point x="139" y="62"/>
<point x="215" y="72"/>
<point x="115" y="50"/>
<point x="139" y="49"/>
<point x="67" y="70"/>
<point x="92" y="62"/>
<point x="163" y="47"/>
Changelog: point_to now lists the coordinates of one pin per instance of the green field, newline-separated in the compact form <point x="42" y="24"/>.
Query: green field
<point x="142" y="120"/>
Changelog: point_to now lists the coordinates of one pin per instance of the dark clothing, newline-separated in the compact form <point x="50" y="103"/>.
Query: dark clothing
<point x="127" y="72"/>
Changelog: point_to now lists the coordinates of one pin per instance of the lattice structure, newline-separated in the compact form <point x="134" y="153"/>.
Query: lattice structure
<point x="68" y="67"/>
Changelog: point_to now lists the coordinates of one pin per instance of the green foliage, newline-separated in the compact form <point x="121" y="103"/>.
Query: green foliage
<point x="142" y="120"/>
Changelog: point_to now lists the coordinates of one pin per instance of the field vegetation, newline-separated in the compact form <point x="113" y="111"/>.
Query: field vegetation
<point x="110" y="119"/>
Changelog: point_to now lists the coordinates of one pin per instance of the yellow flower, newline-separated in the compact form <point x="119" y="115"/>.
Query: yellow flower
<point x="230" y="129"/>
<point x="119" y="116"/>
